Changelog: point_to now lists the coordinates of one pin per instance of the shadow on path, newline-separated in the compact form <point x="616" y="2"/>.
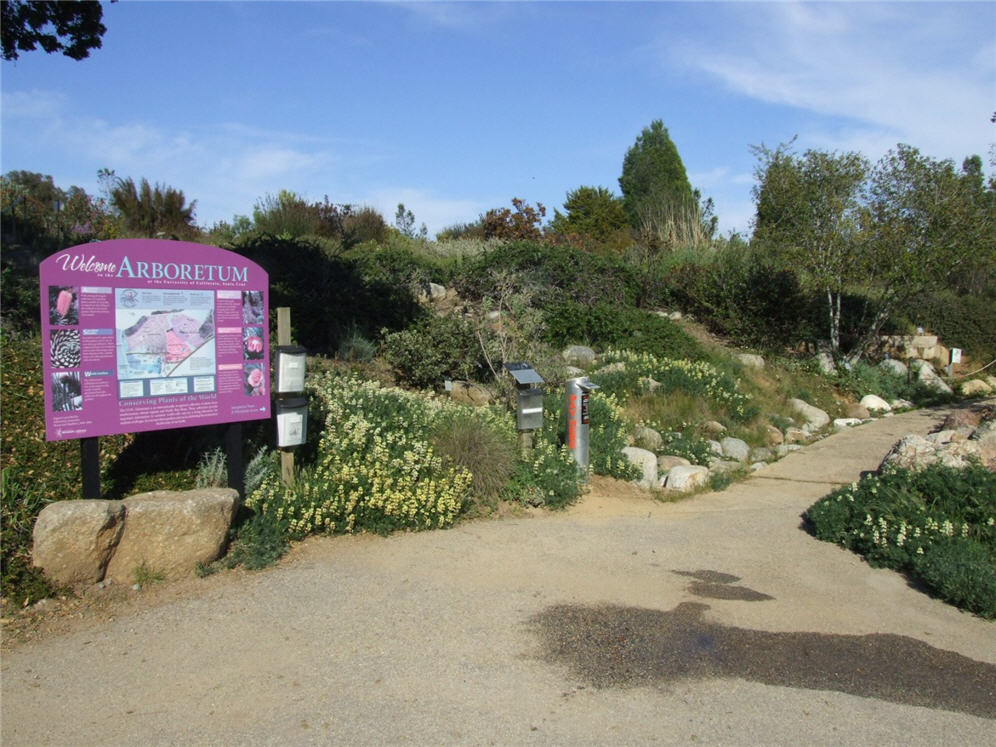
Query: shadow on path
<point x="610" y="646"/>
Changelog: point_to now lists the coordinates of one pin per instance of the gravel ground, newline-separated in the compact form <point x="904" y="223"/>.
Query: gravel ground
<point x="716" y="619"/>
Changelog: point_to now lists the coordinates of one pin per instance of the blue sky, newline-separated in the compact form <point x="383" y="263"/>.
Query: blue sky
<point x="455" y="108"/>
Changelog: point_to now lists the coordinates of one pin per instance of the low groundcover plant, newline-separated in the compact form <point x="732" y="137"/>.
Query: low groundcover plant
<point x="937" y="524"/>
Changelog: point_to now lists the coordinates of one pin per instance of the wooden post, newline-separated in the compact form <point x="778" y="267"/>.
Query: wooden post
<point x="284" y="338"/>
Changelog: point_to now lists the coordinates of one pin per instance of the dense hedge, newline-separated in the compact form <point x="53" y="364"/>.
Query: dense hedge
<point x="554" y="273"/>
<point x="331" y="295"/>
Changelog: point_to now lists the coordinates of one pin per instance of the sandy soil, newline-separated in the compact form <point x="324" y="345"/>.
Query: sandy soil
<point x="623" y="620"/>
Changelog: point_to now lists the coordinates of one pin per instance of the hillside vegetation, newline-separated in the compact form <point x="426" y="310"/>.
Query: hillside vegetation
<point x="389" y="316"/>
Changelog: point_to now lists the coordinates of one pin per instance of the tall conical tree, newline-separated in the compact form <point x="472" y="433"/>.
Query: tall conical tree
<point x="652" y="171"/>
<point x="657" y="195"/>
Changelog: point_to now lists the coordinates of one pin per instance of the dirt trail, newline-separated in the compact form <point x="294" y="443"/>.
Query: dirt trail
<point x="623" y="620"/>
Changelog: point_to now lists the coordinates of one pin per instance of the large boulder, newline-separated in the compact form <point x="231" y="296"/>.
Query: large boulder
<point x="470" y="393"/>
<point x="750" y="360"/>
<point x="735" y="448"/>
<point x="894" y="367"/>
<point x="666" y="461"/>
<point x="975" y="388"/>
<point x="647" y="463"/>
<point x="927" y="376"/>
<point x="579" y="355"/>
<point x="773" y="436"/>
<point x="874" y="403"/>
<point x="74" y="540"/>
<point x="814" y="416"/>
<point x="795" y="435"/>
<point x="686" y="478"/>
<point x="854" y="410"/>
<point x="172" y="532"/>
<point x="761" y="454"/>
<point x="825" y="362"/>
<point x="647" y="438"/>
<point x="985" y="437"/>
<point x="914" y="452"/>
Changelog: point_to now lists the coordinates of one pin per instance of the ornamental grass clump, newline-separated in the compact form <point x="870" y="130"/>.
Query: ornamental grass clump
<point x="938" y="524"/>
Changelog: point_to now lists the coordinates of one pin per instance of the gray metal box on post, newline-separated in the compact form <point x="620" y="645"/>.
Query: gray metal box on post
<point x="529" y="401"/>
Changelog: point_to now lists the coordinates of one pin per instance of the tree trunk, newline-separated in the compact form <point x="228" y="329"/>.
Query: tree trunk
<point x="833" y="307"/>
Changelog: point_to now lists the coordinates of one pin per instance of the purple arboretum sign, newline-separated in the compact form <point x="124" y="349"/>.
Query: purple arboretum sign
<point x="147" y="334"/>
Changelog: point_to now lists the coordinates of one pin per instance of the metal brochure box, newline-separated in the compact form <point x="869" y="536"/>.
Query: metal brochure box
<point x="291" y="362"/>
<point x="529" y="414"/>
<point x="292" y="421"/>
<point x="529" y="405"/>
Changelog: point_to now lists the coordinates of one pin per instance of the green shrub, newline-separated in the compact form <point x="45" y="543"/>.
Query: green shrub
<point x="700" y="379"/>
<point x="964" y="320"/>
<point x="691" y="447"/>
<point x="22" y="502"/>
<point x="331" y="296"/>
<point x="962" y="572"/>
<point x="608" y="325"/>
<point x="740" y="294"/>
<point x="560" y="272"/>
<point x="864" y="378"/>
<point x="938" y="524"/>
<point x="433" y="349"/>
<point x="550" y="477"/>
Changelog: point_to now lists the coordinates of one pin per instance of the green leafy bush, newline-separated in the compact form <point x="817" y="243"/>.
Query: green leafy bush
<point x="559" y="272"/>
<point x="863" y="378"/>
<point x="550" y="477"/>
<point x="608" y="325"/>
<point x="332" y="297"/>
<point x="21" y="503"/>
<point x="937" y="524"/>
<point x="433" y="349"/>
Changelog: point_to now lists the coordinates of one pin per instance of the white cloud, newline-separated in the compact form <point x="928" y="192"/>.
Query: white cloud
<point x="35" y="103"/>
<point x="919" y="77"/>
<point x="225" y="168"/>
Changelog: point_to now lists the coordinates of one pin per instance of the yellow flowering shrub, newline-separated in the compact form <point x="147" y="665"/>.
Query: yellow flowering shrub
<point x="375" y="470"/>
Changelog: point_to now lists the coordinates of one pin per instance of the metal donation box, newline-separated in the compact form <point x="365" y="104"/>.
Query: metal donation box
<point x="578" y="390"/>
<point x="529" y="406"/>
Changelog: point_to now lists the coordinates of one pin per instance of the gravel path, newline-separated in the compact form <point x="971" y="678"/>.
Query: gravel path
<point x="621" y="621"/>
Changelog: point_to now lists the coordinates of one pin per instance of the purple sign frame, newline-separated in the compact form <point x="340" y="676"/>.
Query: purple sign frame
<point x="146" y="334"/>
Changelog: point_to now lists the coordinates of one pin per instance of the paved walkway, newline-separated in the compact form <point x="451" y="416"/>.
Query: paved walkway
<point x="622" y="621"/>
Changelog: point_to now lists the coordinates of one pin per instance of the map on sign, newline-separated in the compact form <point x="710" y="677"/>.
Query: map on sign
<point x="156" y="342"/>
